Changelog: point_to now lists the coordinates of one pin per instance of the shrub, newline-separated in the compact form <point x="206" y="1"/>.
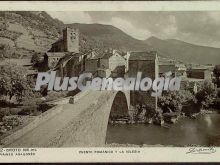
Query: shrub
<point x="173" y="101"/>
<point x="207" y="94"/>
<point x="36" y="59"/>
<point x="2" y="114"/>
<point x="44" y="107"/>
<point x="216" y="103"/>
<point x="28" y="110"/>
<point x="216" y="72"/>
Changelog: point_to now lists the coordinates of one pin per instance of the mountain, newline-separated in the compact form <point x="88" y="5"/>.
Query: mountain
<point x="184" y="51"/>
<point x="110" y="37"/>
<point x="22" y="33"/>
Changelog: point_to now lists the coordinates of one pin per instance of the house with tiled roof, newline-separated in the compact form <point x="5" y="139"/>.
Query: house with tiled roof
<point x="105" y="64"/>
<point x="145" y="62"/>
<point x="111" y="60"/>
<point x="166" y="67"/>
<point x="92" y="62"/>
<point x="200" y="72"/>
<point x="143" y="56"/>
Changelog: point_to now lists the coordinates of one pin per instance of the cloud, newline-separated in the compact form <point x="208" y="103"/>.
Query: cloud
<point x="200" y="27"/>
<point x="71" y="17"/>
<point x="195" y="27"/>
<point x="128" y="28"/>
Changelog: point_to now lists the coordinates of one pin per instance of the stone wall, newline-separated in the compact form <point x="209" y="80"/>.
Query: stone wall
<point x="116" y="60"/>
<point x="200" y="74"/>
<point x="71" y="40"/>
<point x="148" y="69"/>
<point x="90" y="127"/>
<point x="91" y="65"/>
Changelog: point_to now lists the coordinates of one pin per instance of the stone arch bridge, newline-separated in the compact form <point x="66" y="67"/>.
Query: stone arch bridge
<point x="82" y="124"/>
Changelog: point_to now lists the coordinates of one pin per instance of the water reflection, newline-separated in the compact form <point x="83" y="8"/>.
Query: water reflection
<point x="208" y="120"/>
<point x="201" y="131"/>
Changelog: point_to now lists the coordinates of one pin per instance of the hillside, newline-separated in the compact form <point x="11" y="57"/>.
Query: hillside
<point x="110" y="36"/>
<point x="185" y="52"/>
<point x="23" y="33"/>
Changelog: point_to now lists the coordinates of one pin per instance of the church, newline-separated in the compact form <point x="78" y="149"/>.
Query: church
<point x="64" y="56"/>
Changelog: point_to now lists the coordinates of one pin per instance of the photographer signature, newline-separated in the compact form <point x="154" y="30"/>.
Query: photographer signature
<point x="201" y="150"/>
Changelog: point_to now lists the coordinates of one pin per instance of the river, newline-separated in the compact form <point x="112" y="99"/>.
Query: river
<point x="204" y="131"/>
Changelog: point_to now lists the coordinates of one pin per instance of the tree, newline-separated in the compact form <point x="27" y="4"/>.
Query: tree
<point x="172" y="101"/>
<point x="13" y="82"/>
<point x="36" y="58"/>
<point x="207" y="94"/>
<point x="216" y="72"/>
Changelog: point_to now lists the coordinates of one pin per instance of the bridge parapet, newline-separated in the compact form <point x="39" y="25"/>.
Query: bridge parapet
<point x="81" y="124"/>
<point x="90" y="126"/>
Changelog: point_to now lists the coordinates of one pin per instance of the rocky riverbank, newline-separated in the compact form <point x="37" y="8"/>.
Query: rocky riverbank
<point x="159" y="119"/>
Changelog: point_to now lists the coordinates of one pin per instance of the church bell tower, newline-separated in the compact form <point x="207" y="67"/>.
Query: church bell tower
<point x="71" y="40"/>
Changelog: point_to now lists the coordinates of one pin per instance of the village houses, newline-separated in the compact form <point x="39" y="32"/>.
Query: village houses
<point x="65" y="57"/>
<point x="109" y="63"/>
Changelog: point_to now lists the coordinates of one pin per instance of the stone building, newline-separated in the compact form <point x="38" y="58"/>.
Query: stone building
<point x="70" y="65"/>
<point x="113" y="63"/>
<point x="181" y="70"/>
<point x="147" y="63"/>
<point x="165" y="67"/>
<point x="92" y="62"/>
<point x="107" y="64"/>
<point x="52" y="58"/>
<point x="111" y="60"/>
<point x="200" y="72"/>
<point x="68" y="43"/>
<point x="127" y="56"/>
<point x="64" y="56"/>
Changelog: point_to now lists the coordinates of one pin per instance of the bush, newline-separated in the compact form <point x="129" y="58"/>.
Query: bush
<point x="216" y="72"/>
<point x="28" y="110"/>
<point x="2" y="114"/>
<point x="44" y="107"/>
<point x="36" y="59"/>
<point x="207" y="94"/>
<point x="217" y="104"/>
<point x="53" y="95"/>
<point x="173" y="101"/>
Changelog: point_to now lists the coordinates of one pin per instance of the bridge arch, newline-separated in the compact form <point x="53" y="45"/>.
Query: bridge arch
<point x="119" y="106"/>
<point x="89" y="129"/>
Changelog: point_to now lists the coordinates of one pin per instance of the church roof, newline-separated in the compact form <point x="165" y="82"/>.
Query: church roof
<point x="107" y="55"/>
<point x="143" y="56"/>
<point x="66" y="58"/>
<point x="96" y="55"/>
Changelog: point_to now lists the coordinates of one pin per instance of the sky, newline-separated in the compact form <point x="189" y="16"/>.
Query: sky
<point x="201" y="28"/>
